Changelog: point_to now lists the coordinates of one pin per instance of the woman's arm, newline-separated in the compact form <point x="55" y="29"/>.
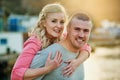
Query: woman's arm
<point x="50" y="65"/>
<point x="74" y="63"/>
<point x="31" y="46"/>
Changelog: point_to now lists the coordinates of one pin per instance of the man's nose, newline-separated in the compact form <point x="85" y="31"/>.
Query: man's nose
<point x="81" y="34"/>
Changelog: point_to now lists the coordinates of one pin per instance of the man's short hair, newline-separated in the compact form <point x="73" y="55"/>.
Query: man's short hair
<point x="80" y="16"/>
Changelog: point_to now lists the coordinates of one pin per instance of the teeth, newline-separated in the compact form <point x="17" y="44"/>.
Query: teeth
<point x="79" y="40"/>
<point x="58" y="31"/>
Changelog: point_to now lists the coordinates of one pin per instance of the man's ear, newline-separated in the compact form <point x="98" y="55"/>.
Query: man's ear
<point x="68" y="27"/>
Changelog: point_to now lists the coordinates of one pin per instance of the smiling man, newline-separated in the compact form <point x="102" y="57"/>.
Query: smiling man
<point x="78" y="32"/>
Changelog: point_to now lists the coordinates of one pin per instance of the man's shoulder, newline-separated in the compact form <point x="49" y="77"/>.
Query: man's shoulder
<point x="52" y="47"/>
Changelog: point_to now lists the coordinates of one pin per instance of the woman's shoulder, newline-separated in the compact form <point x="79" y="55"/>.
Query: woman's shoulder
<point x="33" y="42"/>
<point x="33" y="39"/>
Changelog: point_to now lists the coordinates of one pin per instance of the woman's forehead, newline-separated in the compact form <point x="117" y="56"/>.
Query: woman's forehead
<point x="55" y="15"/>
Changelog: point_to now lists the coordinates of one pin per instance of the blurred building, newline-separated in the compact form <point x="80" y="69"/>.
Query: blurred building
<point x="21" y="23"/>
<point x="11" y="40"/>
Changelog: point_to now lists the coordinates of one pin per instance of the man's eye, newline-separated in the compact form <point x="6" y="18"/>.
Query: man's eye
<point x="86" y="30"/>
<point x="54" y="21"/>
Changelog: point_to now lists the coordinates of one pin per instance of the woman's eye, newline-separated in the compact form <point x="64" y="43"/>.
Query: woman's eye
<point x="62" y="22"/>
<point x="76" y="29"/>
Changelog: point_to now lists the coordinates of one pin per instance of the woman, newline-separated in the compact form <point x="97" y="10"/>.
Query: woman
<point x="47" y="31"/>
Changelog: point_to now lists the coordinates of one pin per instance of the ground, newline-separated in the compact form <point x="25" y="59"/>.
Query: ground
<point x="103" y="64"/>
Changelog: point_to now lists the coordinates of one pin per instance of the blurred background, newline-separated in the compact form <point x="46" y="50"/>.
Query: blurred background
<point x="17" y="17"/>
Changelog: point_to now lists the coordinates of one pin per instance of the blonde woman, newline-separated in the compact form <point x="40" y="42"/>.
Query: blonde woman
<point x="47" y="31"/>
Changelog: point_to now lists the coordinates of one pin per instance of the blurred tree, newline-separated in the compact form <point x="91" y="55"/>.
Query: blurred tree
<point x="13" y="6"/>
<point x="106" y="9"/>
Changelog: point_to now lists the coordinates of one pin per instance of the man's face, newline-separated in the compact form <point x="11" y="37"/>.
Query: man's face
<point x="79" y="32"/>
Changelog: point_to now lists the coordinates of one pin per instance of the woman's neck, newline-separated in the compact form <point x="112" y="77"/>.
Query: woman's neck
<point x="51" y="39"/>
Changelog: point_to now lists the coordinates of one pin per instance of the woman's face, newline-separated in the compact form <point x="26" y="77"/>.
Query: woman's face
<point x="54" y="24"/>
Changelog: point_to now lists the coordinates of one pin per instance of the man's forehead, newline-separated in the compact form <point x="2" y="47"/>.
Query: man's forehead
<point x="77" y="22"/>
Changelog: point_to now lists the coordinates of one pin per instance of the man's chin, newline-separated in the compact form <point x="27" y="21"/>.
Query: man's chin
<point x="81" y="45"/>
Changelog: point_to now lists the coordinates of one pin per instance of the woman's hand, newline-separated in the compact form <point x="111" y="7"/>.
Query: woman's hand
<point x="70" y="68"/>
<point x="54" y="63"/>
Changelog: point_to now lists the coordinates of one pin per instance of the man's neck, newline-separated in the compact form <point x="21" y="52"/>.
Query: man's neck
<point x="69" y="47"/>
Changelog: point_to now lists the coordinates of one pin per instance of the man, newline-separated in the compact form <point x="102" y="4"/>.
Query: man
<point x="78" y="29"/>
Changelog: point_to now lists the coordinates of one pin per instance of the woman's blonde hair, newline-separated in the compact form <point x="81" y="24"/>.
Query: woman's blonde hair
<point x="40" y="29"/>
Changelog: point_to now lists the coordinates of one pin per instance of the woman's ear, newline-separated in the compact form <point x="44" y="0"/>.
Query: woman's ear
<point x="44" y="23"/>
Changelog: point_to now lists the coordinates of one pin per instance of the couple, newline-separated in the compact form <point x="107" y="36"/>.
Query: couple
<point x="78" y="29"/>
<point x="63" y="57"/>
